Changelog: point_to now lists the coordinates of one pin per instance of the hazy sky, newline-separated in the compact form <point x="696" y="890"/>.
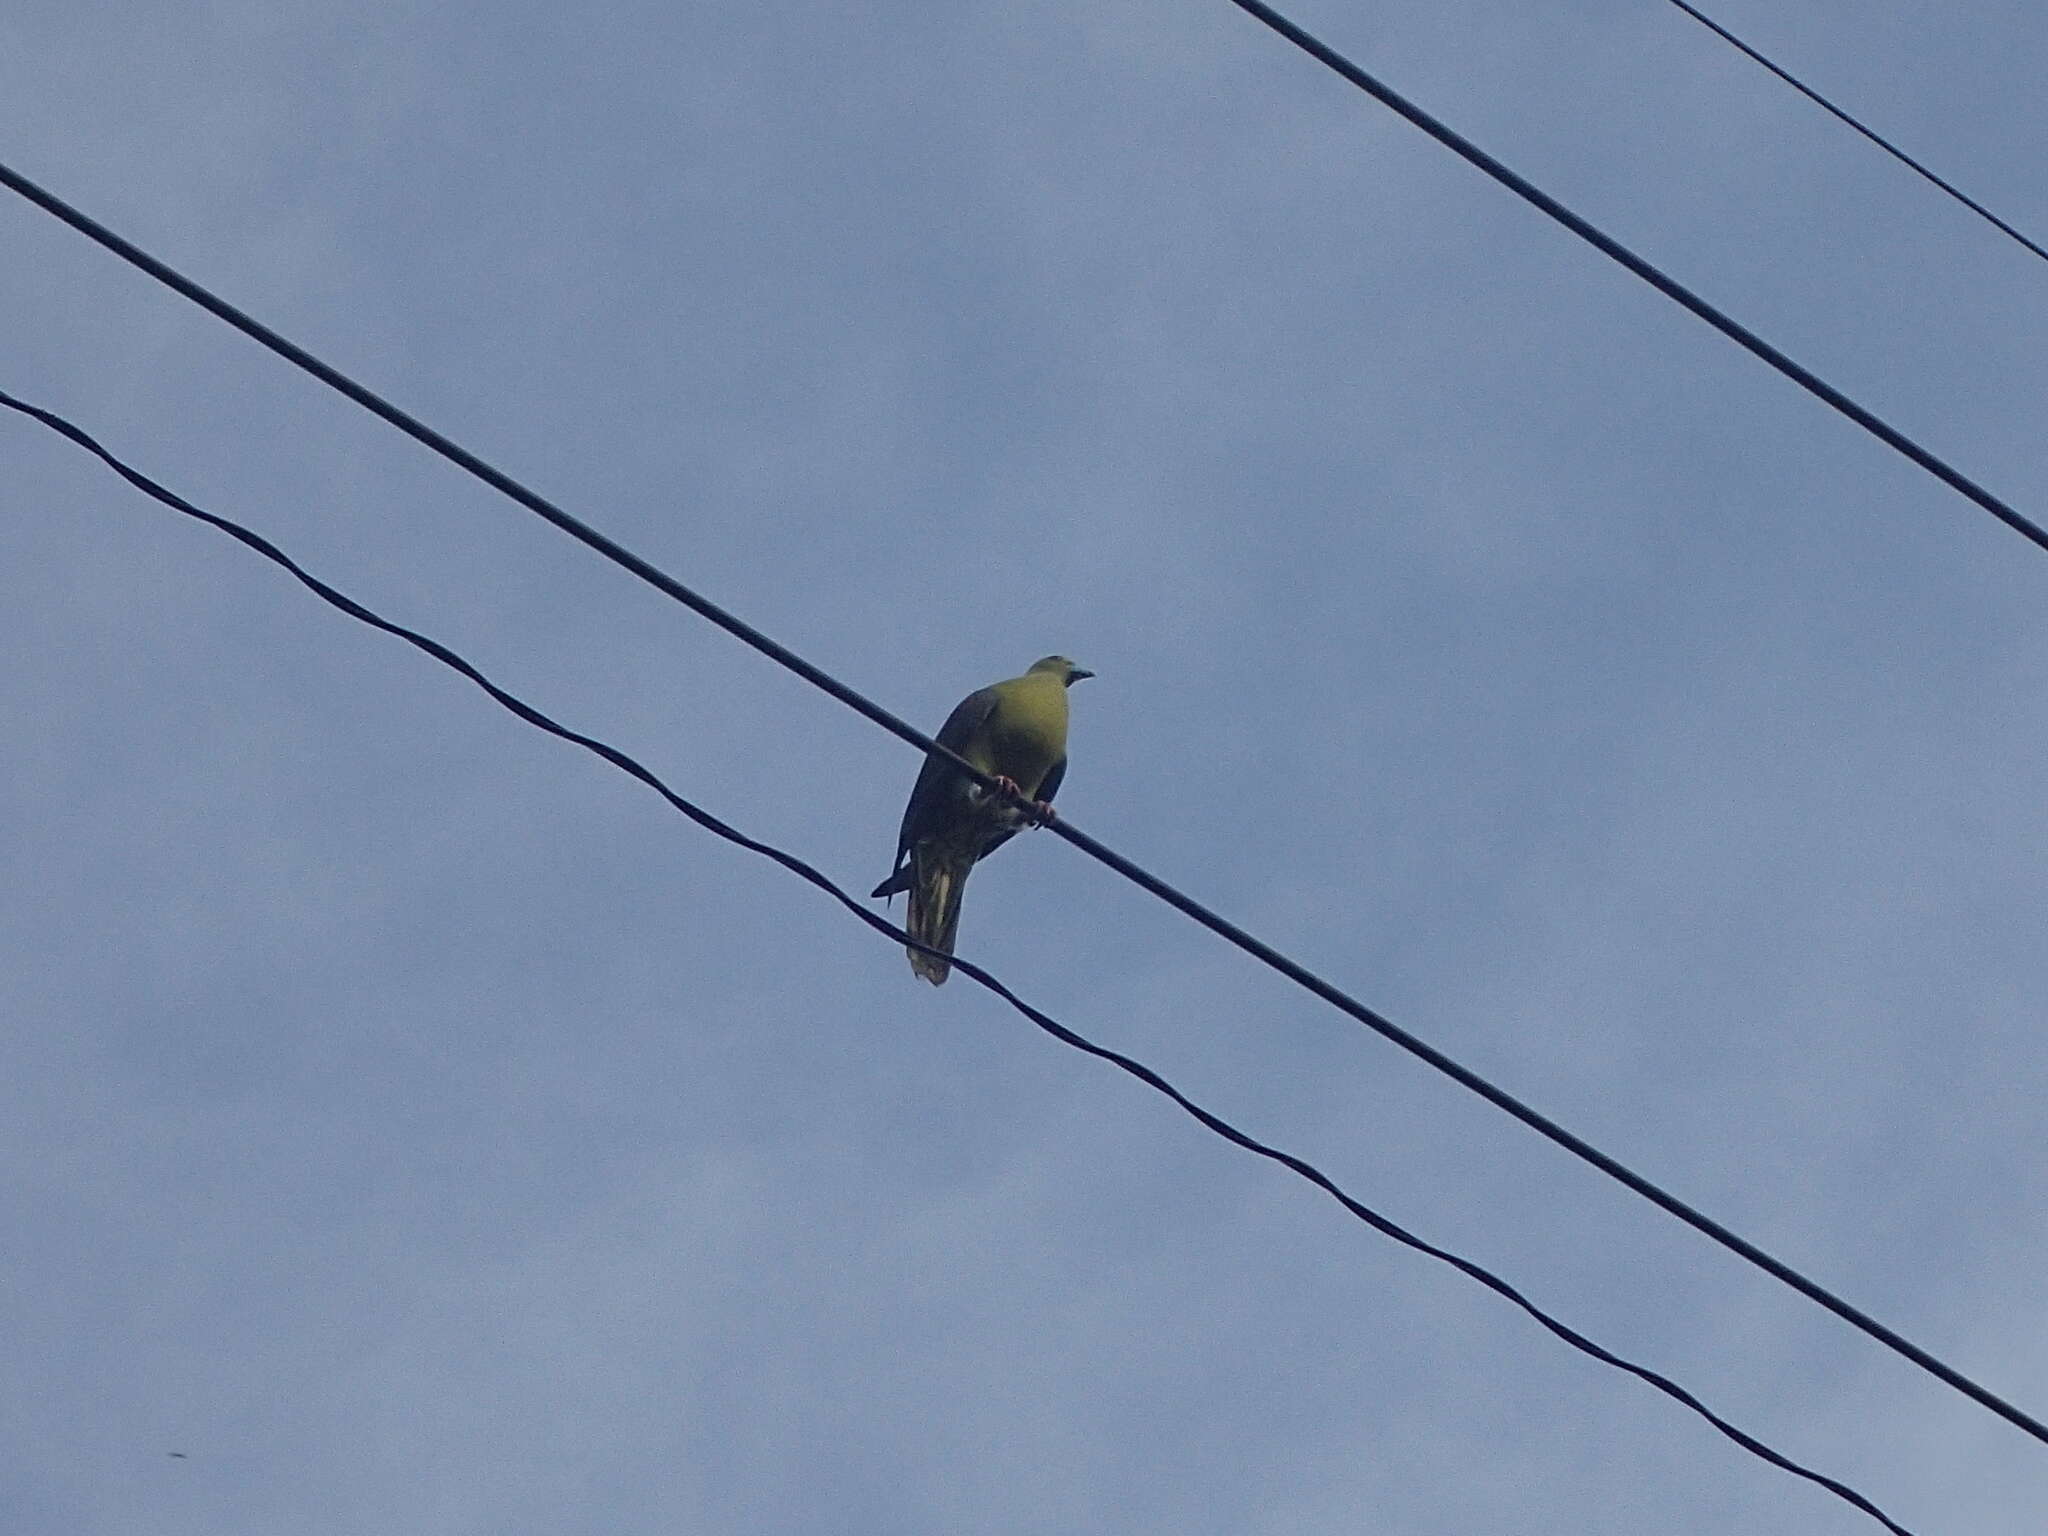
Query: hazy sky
<point x="423" y="1129"/>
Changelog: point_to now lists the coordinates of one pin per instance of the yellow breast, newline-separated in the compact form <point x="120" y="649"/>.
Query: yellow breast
<point x="1028" y="733"/>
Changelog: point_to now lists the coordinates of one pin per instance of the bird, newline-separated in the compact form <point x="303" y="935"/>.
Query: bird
<point x="1014" y="731"/>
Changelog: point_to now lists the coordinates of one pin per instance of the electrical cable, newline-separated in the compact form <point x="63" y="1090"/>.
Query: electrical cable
<point x="1669" y="286"/>
<point x="1542" y="1124"/>
<point x="1871" y="134"/>
<point x="1144" y="1074"/>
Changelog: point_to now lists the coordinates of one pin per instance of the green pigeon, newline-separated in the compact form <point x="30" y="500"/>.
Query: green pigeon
<point x="1014" y="731"/>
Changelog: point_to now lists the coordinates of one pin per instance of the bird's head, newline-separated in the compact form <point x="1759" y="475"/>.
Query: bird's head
<point x="1061" y="668"/>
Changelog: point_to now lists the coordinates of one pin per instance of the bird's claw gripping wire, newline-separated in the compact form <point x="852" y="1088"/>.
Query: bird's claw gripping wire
<point x="1038" y="812"/>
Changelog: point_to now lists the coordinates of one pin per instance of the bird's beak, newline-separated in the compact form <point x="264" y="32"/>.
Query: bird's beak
<point x="1075" y="675"/>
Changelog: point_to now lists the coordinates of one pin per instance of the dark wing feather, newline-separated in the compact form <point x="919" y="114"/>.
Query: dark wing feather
<point x="1050" y="784"/>
<point x="932" y="796"/>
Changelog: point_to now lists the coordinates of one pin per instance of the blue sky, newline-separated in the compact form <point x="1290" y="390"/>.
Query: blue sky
<point x="424" y="1130"/>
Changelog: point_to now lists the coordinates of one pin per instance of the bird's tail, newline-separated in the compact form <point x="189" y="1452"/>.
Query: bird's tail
<point x="934" y="913"/>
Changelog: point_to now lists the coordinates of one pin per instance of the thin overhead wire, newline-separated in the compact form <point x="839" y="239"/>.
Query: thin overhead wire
<point x="1669" y="286"/>
<point x="1144" y="1074"/>
<point x="1257" y="948"/>
<point x="1871" y="134"/>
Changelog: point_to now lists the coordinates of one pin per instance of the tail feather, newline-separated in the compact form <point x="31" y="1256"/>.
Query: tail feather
<point x="934" y="914"/>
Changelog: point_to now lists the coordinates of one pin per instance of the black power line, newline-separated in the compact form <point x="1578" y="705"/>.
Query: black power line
<point x="1871" y="134"/>
<point x="1733" y="329"/>
<point x="1044" y="1021"/>
<point x="1698" y="1220"/>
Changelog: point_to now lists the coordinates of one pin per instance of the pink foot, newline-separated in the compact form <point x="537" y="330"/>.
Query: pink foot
<point x="1038" y="812"/>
